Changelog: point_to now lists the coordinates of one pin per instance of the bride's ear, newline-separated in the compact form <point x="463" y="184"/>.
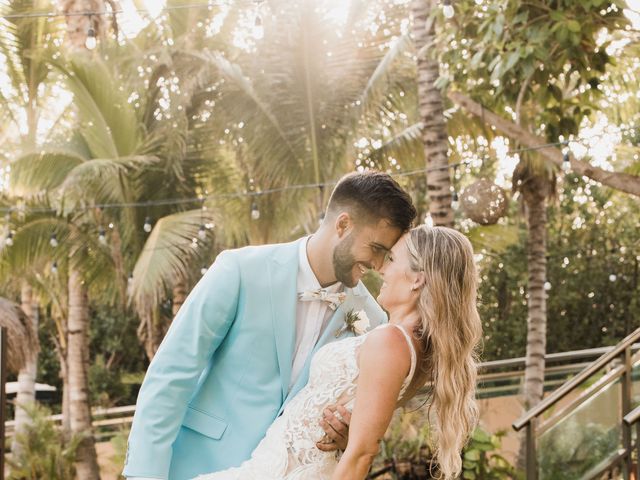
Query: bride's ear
<point x="419" y="281"/>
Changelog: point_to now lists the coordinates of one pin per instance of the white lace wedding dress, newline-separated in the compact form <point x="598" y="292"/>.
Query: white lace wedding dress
<point x="288" y="451"/>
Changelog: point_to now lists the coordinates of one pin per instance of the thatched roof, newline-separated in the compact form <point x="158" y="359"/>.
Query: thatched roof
<point x="22" y="340"/>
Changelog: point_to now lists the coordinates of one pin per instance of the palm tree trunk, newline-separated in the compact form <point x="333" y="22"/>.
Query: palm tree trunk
<point x="27" y="376"/>
<point x="431" y="108"/>
<point x="536" y="212"/>
<point x="79" y="407"/>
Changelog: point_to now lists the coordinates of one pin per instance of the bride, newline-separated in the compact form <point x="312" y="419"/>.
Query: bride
<point x="429" y="291"/>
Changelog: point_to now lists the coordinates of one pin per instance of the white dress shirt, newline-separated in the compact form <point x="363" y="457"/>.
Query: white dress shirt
<point x="311" y="318"/>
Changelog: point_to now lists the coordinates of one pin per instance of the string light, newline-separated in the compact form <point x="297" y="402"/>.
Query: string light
<point x="102" y="237"/>
<point x="258" y="28"/>
<point x="147" y="224"/>
<point x="53" y="241"/>
<point x="566" y="163"/>
<point x="547" y="286"/>
<point x="428" y="220"/>
<point x="54" y="268"/>
<point x="91" y="42"/>
<point x="207" y="5"/>
<point x="203" y="270"/>
<point x="202" y="232"/>
<point x="455" y="200"/>
<point x="9" y="240"/>
<point x="447" y="9"/>
<point x="613" y="277"/>
<point x="255" y="211"/>
<point x="320" y="218"/>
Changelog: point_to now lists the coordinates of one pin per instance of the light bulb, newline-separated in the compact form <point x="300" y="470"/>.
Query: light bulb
<point x="447" y="9"/>
<point x="147" y="224"/>
<point x="566" y="163"/>
<point x="203" y="270"/>
<point x="91" y="42"/>
<point x="547" y="286"/>
<point x="613" y="277"/>
<point x="9" y="240"/>
<point x="455" y="200"/>
<point x="102" y="237"/>
<point x="428" y="220"/>
<point x="321" y="218"/>
<point x="202" y="232"/>
<point x="54" y="267"/>
<point x="258" y="29"/>
<point x="255" y="212"/>
<point x="53" y="241"/>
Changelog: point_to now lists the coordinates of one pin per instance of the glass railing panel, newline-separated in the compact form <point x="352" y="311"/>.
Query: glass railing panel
<point x="584" y="438"/>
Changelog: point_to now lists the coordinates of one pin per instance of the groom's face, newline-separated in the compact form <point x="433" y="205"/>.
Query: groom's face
<point x="362" y="248"/>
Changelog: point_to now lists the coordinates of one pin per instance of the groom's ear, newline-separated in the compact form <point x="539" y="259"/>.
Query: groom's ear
<point x="343" y="224"/>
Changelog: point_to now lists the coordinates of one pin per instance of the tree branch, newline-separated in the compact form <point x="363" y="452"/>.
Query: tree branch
<point x="619" y="181"/>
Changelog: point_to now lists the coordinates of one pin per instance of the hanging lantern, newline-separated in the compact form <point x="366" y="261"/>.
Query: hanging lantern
<point x="484" y="202"/>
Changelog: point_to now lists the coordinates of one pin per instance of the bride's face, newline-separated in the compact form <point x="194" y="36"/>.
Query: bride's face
<point x="399" y="279"/>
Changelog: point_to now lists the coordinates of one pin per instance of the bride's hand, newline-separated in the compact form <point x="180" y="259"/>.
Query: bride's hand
<point x="335" y="423"/>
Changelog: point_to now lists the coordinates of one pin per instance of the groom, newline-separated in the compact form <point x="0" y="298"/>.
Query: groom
<point x="240" y="346"/>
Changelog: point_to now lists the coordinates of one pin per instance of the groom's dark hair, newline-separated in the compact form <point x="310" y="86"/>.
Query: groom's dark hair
<point x="371" y="196"/>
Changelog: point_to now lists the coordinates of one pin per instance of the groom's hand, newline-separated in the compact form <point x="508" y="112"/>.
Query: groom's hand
<point x="335" y="423"/>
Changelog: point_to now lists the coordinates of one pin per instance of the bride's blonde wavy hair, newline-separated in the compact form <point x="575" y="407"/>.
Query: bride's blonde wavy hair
<point x="450" y="331"/>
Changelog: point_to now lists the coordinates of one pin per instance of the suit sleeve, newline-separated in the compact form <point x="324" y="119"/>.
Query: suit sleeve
<point x="196" y="332"/>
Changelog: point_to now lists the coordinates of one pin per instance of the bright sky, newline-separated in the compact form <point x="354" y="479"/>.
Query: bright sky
<point x="599" y="140"/>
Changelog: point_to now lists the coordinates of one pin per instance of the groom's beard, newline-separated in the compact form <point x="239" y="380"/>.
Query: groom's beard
<point x="344" y="261"/>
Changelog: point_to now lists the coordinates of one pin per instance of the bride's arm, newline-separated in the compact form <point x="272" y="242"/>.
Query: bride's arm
<point x="384" y="364"/>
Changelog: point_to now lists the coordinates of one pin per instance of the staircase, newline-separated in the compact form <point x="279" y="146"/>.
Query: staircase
<point x="590" y="426"/>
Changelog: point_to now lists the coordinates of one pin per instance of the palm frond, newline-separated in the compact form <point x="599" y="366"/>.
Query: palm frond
<point x="493" y="238"/>
<point x="36" y="172"/>
<point x="168" y="255"/>
<point x="107" y="121"/>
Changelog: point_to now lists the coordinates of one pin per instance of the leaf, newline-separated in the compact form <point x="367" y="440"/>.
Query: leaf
<point x="574" y="26"/>
<point x="472" y="455"/>
<point x="470" y="474"/>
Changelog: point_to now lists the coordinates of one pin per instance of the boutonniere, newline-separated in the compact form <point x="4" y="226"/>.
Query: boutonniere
<point x="355" y="322"/>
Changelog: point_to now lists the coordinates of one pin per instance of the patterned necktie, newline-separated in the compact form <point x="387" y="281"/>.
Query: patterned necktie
<point x="333" y="299"/>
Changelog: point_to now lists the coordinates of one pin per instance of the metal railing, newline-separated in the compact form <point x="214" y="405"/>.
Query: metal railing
<point x="496" y="378"/>
<point x="615" y="365"/>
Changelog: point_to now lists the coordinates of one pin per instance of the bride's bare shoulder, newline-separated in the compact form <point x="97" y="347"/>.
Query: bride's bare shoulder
<point x="386" y="345"/>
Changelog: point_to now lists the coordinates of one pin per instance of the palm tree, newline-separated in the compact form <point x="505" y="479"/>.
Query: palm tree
<point x="24" y="45"/>
<point x="23" y="342"/>
<point x="27" y="375"/>
<point x="431" y="113"/>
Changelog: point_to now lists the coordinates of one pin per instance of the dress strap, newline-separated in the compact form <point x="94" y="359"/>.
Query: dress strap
<point x="414" y="359"/>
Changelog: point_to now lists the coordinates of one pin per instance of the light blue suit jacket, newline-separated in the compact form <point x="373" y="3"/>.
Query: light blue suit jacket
<point x="221" y="374"/>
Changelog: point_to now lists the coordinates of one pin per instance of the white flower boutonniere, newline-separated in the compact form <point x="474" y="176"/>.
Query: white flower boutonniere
<point x="356" y="322"/>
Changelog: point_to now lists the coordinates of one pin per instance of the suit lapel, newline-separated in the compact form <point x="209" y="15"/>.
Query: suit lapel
<point x="283" y="274"/>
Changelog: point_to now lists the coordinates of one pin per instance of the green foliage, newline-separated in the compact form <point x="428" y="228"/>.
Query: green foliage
<point x="408" y="439"/>
<point x="479" y="460"/>
<point x="593" y="259"/>
<point x="119" y="444"/>
<point x="541" y="60"/>
<point x="44" y="452"/>
<point x="105" y="385"/>
<point x="567" y="453"/>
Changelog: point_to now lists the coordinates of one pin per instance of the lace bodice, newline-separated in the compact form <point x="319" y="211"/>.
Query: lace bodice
<point x="288" y="450"/>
